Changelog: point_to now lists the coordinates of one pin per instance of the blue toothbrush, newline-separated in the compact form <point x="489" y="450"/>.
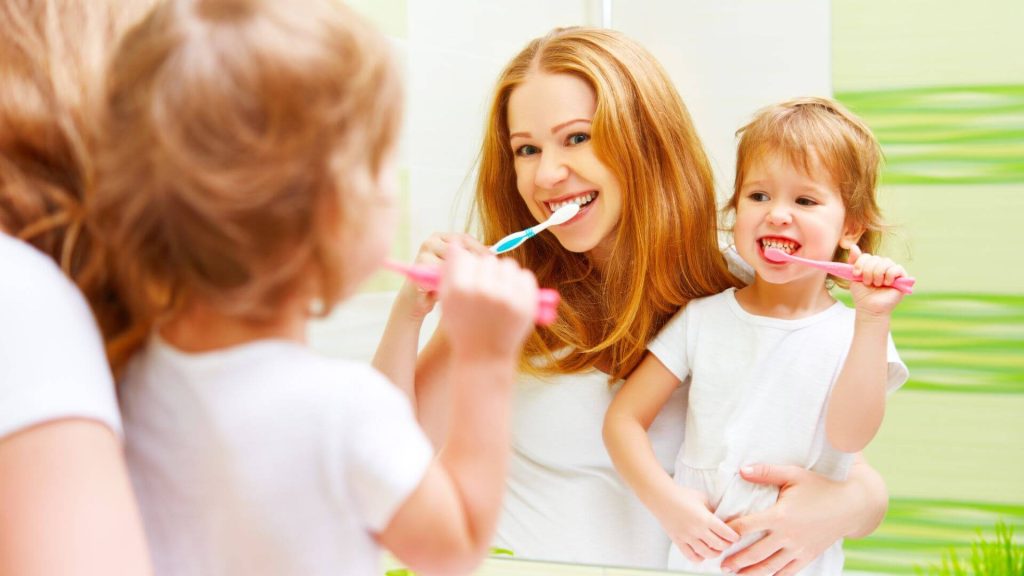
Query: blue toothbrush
<point x="561" y="216"/>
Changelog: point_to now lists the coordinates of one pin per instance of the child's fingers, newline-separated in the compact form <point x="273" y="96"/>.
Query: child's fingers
<point x="702" y="550"/>
<point x="690" y="554"/>
<point x="894" y="272"/>
<point x="722" y="530"/>
<point x="855" y="253"/>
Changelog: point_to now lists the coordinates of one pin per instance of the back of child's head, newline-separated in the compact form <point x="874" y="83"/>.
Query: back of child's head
<point x="818" y="131"/>
<point x="240" y="137"/>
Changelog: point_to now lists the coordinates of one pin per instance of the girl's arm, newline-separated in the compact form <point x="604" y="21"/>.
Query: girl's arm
<point x="811" y="514"/>
<point x="396" y="354"/>
<point x="684" y="513"/>
<point x="446" y="525"/>
<point x="66" y="505"/>
<point x="857" y="402"/>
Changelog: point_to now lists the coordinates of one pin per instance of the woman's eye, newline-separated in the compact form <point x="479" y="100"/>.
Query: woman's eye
<point x="576" y="139"/>
<point x="527" y="150"/>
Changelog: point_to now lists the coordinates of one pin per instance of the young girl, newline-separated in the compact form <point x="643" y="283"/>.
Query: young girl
<point x="588" y="116"/>
<point x="246" y="179"/>
<point x="778" y="371"/>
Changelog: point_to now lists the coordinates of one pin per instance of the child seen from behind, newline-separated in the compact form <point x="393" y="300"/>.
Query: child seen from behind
<point x="247" y="179"/>
<point x="778" y="371"/>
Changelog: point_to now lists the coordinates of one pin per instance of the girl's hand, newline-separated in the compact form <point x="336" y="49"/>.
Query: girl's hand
<point x="693" y="528"/>
<point x="489" y="304"/>
<point x="874" y="294"/>
<point x="801" y="525"/>
<point x="418" y="301"/>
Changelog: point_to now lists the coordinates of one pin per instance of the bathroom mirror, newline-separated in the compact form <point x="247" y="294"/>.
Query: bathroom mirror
<point x="941" y="85"/>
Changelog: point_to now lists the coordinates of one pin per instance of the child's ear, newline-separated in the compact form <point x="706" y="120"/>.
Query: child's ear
<point x="851" y="235"/>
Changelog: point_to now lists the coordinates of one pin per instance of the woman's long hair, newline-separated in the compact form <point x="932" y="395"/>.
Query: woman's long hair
<point x="665" y="251"/>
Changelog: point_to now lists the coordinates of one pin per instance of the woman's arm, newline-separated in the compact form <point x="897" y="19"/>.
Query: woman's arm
<point x="66" y="506"/>
<point x="811" y="514"/>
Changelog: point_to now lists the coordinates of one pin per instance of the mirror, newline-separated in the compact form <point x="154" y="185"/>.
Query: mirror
<point x="941" y="86"/>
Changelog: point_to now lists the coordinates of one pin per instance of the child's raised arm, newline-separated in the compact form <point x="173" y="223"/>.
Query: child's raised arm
<point x="857" y="403"/>
<point x="446" y="525"/>
<point x="682" y="512"/>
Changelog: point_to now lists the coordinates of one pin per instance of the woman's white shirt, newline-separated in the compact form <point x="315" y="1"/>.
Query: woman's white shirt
<point x="52" y="363"/>
<point x="564" y="500"/>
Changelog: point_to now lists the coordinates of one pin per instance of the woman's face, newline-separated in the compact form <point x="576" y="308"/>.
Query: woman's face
<point x="549" y="122"/>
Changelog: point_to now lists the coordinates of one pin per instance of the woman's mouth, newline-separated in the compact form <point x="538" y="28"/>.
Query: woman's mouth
<point x="582" y="200"/>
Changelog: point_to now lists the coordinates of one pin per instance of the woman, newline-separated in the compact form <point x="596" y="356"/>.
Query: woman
<point x="66" y="506"/>
<point x="588" y="116"/>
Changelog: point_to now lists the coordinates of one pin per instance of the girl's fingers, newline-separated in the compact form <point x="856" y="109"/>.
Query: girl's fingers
<point x="893" y="273"/>
<point x="703" y="550"/>
<point x="724" y="532"/>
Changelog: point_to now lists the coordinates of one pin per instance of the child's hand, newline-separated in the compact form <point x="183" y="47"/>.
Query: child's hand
<point x="693" y="528"/>
<point x="874" y="294"/>
<point x="489" y="304"/>
<point x="432" y="252"/>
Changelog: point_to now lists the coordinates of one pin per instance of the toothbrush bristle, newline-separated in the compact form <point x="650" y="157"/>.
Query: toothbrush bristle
<point x="775" y="255"/>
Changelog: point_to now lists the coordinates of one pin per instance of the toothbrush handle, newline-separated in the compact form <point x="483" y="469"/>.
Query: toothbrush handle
<point x="429" y="278"/>
<point x="513" y="240"/>
<point x="904" y="284"/>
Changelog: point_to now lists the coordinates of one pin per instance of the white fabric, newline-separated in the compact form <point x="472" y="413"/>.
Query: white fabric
<point x="266" y="458"/>
<point x="52" y="364"/>
<point x="758" y="388"/>
<point x="564" y="500"/>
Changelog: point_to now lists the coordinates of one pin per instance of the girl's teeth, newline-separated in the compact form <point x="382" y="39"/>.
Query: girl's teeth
<point x="787" y="247"/>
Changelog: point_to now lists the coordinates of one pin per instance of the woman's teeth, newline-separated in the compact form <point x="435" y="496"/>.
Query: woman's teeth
<point x="786" y="246"/>
<point x="580" y="200"/>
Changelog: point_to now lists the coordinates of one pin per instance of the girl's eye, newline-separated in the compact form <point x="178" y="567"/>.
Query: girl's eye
<point x="527" y="150"/>
<point x="576" y="139"/>
<point x="758" y="196"/>
<point x="806" y="202"/>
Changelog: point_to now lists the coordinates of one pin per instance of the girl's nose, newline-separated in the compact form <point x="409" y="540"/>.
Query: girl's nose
<point x="551" y="170"/>
<point x="779" y="215"/>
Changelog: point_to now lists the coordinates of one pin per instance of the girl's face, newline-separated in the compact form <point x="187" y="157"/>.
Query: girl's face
<point x="800" y="213"/>
<point x="549" y="120"/>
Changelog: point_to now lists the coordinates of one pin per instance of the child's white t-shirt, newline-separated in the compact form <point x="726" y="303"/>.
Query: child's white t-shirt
<point x="52" y="363"/>
<point x="267" y="458"/>
<point x="758" y="388"/>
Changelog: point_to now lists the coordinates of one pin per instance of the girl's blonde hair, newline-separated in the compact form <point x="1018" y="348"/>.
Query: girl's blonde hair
<point x="811" y="129"/>
<point x="52" y="59"/>
<point x="238" y="135"/>
<point x="665" y="250"/>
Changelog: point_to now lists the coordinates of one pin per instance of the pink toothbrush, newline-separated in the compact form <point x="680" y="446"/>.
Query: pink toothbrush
<point x="429" y="277"/>
<point x="904" y="284"/>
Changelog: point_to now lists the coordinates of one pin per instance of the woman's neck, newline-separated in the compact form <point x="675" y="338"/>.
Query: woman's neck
<point x="201" y="328"/>
<point x="788" y="301"/>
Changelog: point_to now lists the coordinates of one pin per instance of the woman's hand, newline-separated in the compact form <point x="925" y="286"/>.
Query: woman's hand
<point x="812" y="512"/>
<point x="418" y="302"/>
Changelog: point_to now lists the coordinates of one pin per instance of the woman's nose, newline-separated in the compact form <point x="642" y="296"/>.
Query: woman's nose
<point x="551" y="170"/>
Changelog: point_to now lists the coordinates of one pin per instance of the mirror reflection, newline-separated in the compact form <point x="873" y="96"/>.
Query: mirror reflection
<point x="945" y="111"/>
